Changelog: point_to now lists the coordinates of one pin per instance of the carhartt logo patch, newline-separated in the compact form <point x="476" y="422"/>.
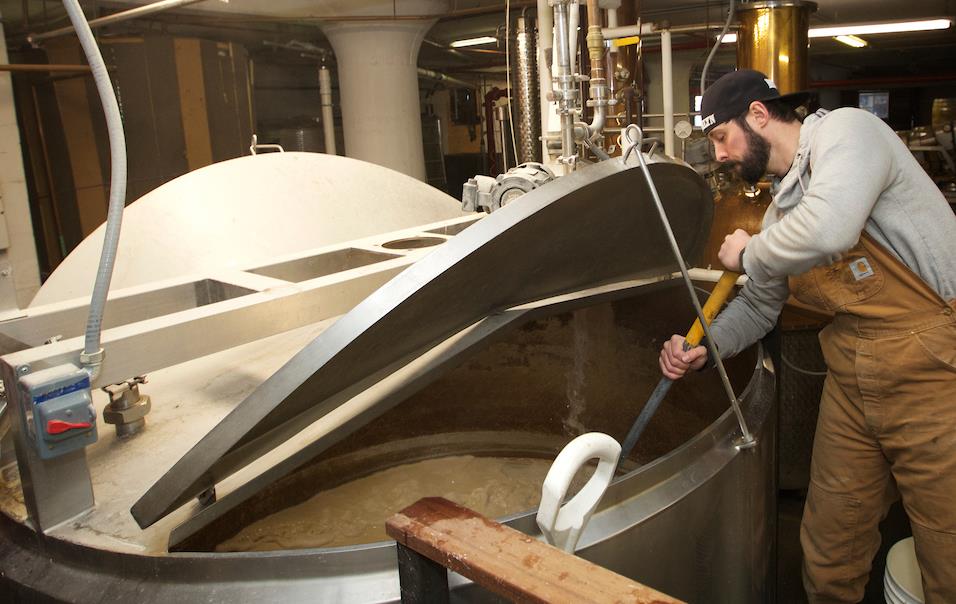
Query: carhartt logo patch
<point x="861" y="269"/>
<point x="708" y="121"/>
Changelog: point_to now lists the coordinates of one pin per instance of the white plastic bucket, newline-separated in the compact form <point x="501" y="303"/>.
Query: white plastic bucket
<point x="902" y="582"/>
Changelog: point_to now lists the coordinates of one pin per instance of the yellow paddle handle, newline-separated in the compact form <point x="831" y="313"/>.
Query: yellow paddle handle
<point x="713" y="305"/>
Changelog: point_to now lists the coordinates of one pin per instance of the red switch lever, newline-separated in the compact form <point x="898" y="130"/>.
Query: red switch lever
<point x="56" y="426"/>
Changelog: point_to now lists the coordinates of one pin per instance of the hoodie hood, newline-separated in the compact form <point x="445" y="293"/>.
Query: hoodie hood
<point x="788" y="191"/>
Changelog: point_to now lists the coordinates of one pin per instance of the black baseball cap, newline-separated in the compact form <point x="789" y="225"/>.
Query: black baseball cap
<point x="732" y="94"/>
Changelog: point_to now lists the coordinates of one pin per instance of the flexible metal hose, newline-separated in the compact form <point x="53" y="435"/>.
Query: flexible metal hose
<point x="92" y="352"/>
<point x="713" y="51"/>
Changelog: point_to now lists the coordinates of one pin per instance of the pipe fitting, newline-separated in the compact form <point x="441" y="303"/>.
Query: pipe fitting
<point x="92" y="362"/>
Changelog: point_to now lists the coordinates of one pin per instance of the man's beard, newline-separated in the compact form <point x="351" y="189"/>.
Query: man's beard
<point x="754" y="164"/>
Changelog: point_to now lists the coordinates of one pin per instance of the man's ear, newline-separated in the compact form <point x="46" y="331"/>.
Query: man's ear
<point x="759" y="113"/>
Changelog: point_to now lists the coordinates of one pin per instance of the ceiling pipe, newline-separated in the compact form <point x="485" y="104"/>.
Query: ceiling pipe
<point x="487" y="10"/>
<point x="45" y="68"/>
<point x="133" y="13"/>
<point x="447" y="79"/>
<point x="461" y="52"/>
<point x="598" y="89"/>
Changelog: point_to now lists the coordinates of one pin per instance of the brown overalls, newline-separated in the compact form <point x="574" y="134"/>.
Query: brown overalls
<point x="887" y="424"/>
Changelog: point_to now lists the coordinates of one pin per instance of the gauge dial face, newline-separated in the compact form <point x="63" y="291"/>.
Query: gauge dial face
<point x="683" y="129"/>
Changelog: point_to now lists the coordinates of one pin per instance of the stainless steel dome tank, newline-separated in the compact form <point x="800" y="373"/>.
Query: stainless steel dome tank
<point x="512" y="336"/>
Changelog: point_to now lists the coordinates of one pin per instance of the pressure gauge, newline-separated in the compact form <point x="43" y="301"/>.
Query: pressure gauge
<point x="683" y="129"/>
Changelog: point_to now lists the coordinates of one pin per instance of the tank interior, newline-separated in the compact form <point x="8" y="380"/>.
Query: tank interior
<point x="525" y="395"/>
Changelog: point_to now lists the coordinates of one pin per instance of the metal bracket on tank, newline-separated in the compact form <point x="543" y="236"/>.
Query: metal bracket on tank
<point x="741" y="443"/>
<point x="633" y="136"/>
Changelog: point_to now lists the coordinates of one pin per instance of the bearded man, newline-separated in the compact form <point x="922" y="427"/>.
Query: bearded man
<point x="859" y="229"/>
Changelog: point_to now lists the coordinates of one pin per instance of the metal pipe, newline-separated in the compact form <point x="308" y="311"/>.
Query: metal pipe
<point x="610" y="58"/>
<point x="126" y="15"/>
<point x="611" y="23"/>
<point x="625" y="31"/>
<point x="713" y="51"/>
<point x="598" y="84"/>
<point x="545" y="44"/>
<point x="528" y="148"/>
<point x="441" y="77"/>
<point x="654" y="29"/>
<point x="30" y="67"/>
<point x="574" y="21"/>
<point x="567" y="92"/>
<point x="328" y="123"/>
<point x="667" y="83"/>
<point x="501" y="116"/>
<point x="696" y="28"/>
<point x="628" y="103"/>
<point x="461" y="52"/>
<point x="492" y="10"/>
<point x="490" y="97"/>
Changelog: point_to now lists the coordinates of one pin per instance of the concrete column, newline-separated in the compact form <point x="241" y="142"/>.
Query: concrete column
<point x="378" y="88"/>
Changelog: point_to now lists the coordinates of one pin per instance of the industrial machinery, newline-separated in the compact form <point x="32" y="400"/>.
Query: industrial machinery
<point x="505" y="335"/>
<point x="934" y="146"/>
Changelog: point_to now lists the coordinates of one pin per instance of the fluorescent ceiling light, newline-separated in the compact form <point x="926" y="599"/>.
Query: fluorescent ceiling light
<point x="879" y="28"/>
<point x="851" y="41"/>
<point x="865" y="29"/>
<point x="473" y="41"/>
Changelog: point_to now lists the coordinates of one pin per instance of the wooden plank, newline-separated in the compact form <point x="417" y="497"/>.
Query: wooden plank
<point x="508" y="562"/>
<point x="192" y="97"/>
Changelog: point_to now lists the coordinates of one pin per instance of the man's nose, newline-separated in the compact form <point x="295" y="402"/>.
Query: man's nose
<point x="720" y="153"/>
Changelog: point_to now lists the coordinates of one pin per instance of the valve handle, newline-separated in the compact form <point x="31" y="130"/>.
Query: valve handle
<point x="58" y="426"/>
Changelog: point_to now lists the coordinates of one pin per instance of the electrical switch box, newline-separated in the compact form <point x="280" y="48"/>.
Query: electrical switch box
<point x="58" y="410"/>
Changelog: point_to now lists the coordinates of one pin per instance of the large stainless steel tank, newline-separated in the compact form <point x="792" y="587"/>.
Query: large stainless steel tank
<point x="694" y="517"/>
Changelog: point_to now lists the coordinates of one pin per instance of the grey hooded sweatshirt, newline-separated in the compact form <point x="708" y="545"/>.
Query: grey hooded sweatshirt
<point x="851" y="172"/>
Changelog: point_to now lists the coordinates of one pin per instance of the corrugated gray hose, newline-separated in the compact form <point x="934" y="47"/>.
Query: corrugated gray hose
<point x="92" y="356"/>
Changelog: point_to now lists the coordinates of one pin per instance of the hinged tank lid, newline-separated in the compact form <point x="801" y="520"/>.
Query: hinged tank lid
<point x="597" y="225"/>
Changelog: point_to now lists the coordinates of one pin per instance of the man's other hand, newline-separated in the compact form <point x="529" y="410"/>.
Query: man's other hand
<point x="731" y="249"/>
<point x="675" y="361"/>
